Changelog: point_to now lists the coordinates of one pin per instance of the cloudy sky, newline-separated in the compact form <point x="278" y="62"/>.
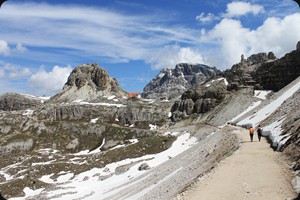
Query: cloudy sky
<point x="42" y="41"/>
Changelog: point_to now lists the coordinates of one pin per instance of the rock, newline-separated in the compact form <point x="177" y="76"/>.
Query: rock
<point x="88" y="82"/>
<point x="14" y="101"/>
<point x="298" y="46"/>
<point x="200" y="99"/>
<point x="144" y="166"/>
<point x="170" y="83"/>
<point x="277" y="74"/>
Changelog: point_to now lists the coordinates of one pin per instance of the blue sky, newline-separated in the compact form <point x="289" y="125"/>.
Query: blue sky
<point x="42" y="41"/>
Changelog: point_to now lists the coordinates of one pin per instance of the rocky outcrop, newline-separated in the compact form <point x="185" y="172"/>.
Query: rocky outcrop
<point x="241" y="74"/>
<point x="200" y="99"/>
<point x="279" y="73"/>
<point x="264" y="71"/>
<point x="14" y="101"/>
<point x="88" y="82"/>
<point x="171" y="83"/>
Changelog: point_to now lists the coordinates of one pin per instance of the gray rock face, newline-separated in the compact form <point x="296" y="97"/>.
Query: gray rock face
<point x="277" y="74"/>
<point x="200" y="99"/>
<point x="14" y="101"/>
<point x="171" y="83"/>
<point x="88" y="82"/>
<point x="298" y="46"/>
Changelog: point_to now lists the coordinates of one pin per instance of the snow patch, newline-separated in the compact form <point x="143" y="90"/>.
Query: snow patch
<point x="93" y="121"/>
<point x="28" y="112"/>
<point x="296" y="184"/>
<point x="99" y="183"/>
<point x="274" y="131"/>
<point x="261" y="94"/>
<point x="251" y="107"/>
<point x="266" y="111"/>
<point x="153" y="127"/>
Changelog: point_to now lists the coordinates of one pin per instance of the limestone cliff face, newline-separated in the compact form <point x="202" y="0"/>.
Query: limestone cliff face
<point x="264" y="71"/>
<point x="279" y="73"/>
<point x="171" y="83"/>
<point x="200" y="99"/>
<point x="88" y="82"/>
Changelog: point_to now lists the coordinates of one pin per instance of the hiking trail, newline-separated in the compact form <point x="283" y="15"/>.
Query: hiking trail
<point x="254" y="172"/>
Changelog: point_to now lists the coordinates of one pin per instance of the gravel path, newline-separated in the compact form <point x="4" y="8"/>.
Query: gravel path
<point x="174" y="176"/>
<point x="253" y="172"/>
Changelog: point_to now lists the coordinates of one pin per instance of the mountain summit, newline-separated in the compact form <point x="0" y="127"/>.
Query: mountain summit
<point x="171" y="83"/>
<point x="88" y="82"/>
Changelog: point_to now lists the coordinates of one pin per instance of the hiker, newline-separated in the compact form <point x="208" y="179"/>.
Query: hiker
<point x="259" y="132"/>
<point x="251" y="132"/>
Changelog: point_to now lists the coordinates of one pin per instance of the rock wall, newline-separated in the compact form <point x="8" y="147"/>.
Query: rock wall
<point x="171" y="83"/>
<point x="200" y="99"/>
<point x="279" y="73"/>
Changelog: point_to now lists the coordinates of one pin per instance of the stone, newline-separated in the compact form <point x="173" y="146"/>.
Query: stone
<point x="144" y="166"/>
<point x="88" y="82"/>
<point x="171" y="83"/>
<point x="14" y="101"/>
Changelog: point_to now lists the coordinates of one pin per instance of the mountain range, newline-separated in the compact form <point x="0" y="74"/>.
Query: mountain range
<point x="93" y="134"/>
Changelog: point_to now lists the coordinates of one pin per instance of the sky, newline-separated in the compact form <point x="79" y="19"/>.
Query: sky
<point x="41" y="42"/>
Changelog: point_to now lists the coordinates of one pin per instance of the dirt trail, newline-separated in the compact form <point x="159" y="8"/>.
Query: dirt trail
<point x="253" y="172"/>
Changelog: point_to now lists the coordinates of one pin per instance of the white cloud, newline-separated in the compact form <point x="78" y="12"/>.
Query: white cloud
<point x="232" y="39"/>
<point x="171" y="55"/>
<point x="4" y="48"/>
<point x="20" y="48"/>
<point x="206" y="18"/>
<point x="49" y="82"/>
<point x="236" y="9"/>
<point x="90" y="31"/>
<point x="10" y="71"/>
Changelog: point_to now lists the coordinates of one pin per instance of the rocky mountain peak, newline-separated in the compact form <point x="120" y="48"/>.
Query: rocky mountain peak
<point x="88" y="82"/>
<point x="171" y="83"/>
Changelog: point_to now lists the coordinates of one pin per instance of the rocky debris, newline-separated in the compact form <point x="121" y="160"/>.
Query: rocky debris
<point x="200" y="99"/>
<point x="170" y="83"/>
<point x="144" y="166"/>
<point x="88" y="82"/>
<point x="14" y="101"/>
<point x="291" y="128"/>
<point x="17" y="146"/>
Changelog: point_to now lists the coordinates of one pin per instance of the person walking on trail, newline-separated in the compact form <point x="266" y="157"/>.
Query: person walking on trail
<point x="259" y="132"/>
<point x="251" y="132"/>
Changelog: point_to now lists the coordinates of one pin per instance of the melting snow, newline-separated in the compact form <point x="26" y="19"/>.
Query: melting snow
<point x="153" y="127"/>
<point x="92" y="184"/>
<point x="261" y="94"/>
<point x="265" y="112"/>
<point x="93" y="121"/>
<point x="252" y="106"/>
<point x="28" y="112"/>
<point x="273" y="131"/>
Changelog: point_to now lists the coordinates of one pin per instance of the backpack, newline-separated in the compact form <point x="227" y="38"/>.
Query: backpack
<point x="251" y="130"/>
<point x="259" y="130"/>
